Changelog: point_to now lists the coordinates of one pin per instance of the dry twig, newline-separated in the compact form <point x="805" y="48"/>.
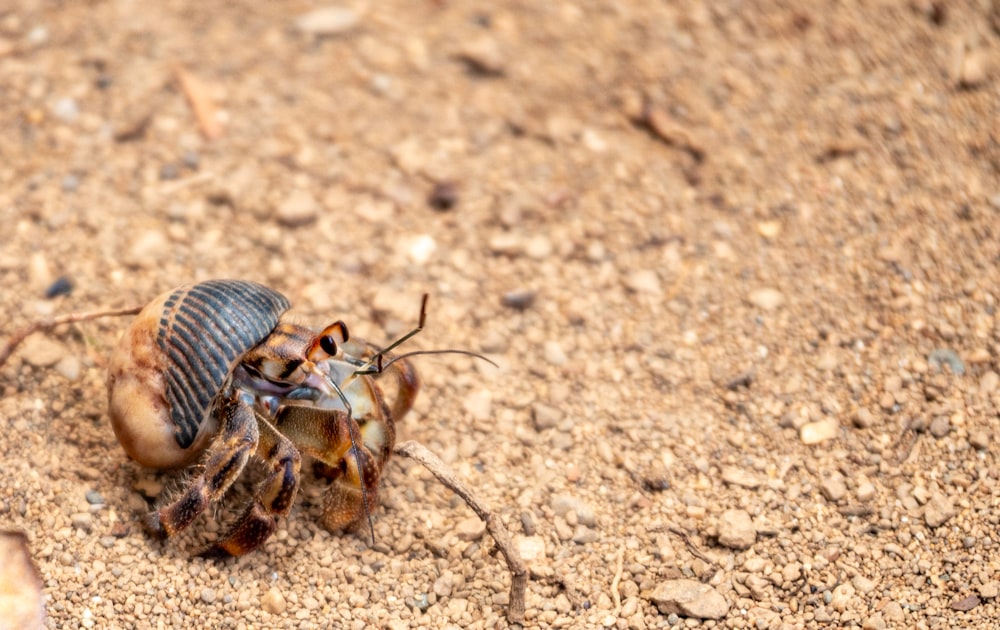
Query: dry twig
<point x="616" y="580"/>
<point x="519" y="574"/>
<point x="692" y="548"/>
<point x="46" y="325"/>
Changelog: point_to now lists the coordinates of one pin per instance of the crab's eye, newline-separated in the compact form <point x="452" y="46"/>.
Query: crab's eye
<point x="328" y="344"/>
<point x="324" y="345"/>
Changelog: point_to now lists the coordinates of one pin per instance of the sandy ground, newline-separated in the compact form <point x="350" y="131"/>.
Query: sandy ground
<point x="738" y="262"/>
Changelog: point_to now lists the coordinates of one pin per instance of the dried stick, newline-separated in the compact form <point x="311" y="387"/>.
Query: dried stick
<point x="518" y="572"/>
<point x="616" y="580"/>
<point x="46" y="325"/>
<point x="693" y="548"/>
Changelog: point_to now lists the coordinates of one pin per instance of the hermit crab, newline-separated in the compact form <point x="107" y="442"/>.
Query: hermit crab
<point x="211" y="373"/>
<point x="211" y="366"/>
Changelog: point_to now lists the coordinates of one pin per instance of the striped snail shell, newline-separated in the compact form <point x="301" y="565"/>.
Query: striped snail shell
<point x="174" y="359"/>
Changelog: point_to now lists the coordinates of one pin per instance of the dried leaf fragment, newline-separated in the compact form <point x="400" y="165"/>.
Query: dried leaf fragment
<point x="21" y="604"/>
<point x="201" y="102"/>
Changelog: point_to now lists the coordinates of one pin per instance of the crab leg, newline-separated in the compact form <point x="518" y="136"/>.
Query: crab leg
<point x="325" y="434"/>
<point x="274" y="496"/>
<point x="231" y="450"/>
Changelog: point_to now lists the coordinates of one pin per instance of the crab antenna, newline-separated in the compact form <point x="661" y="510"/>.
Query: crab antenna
<point x="376" y="360"/>
<point x="468" y="353"/>
<point x="357" y="458"/>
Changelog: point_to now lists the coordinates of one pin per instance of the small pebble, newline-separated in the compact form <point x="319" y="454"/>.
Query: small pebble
<point x="842" y="596"/>
<point x="444" y="196"/>
<point x="980" y="439"/>
<point x="40" y="351"/>
<point x="563" y="504"/>
<point x="989" y="590"/>
<point x="544" y="416"/>
<point x="736" y="529"/>
<point x="767" y="299"/>
<point x="864" y="418"/>
<point x="791" y="572"/>
<point x="470" y="529"/>
<point x="37" y="36"/>
<point x="70" y="183"/>
<point x="975" y="68"/>
<point x="644" y="281"/>
<point x="865" y="491"/>
<point x="519" y="300"/>
<point x="893" y="612"/>
<point x="656" y="476"/>
<point x="833" y="487"/>
<point x="169" y="172"/>
<point x="863" y="585"/>
<point x="940" y="426"/>
<point x="584" y="535"/>
<point x="506" y="243"/>
<point x="573" y="473"/>
<point x="66" y="109"/>
<point x="989" y="382"/>
<point x="737" y="476"/>
<point x="421" y="249"/>
<point x="191" y="159"/>
<point x="538" y="247"/>
<point x="82" y="520"/>
<point x="483" y="56"/>
<point x="563" y="529"/>
<point x="61" y="286"/>
<point x="938" y="510"/>
<point x="479" y="404"/>
<point x="94" y="497"/>
<point x="69" y="367"/>
<point x="207" y="595"/>
<point x="940" y="357"/>
<point x="528" y="523"/>
<point x="554" y="353"/>
<point x="327" y="21"/>
<point x="531" y="549"/>
<point x="689" y="598"/>
<point x="148" y="250"/>
<point x="817" y="432"/>
<point x="442" y="586"/>
<point x="493" y="342"/>
<point x="298" y="209"/>
<point x="965" y="604"/>
<point x="421" y="602"/>
<point x="148" y="487"/>
<point x="769" y="229"/>
<point x="273" y="601"/>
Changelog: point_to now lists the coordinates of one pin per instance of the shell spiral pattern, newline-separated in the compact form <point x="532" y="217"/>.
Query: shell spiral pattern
<point x="204" y="330"/>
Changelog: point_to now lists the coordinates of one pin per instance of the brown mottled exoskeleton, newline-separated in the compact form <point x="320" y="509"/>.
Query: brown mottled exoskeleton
<point x="212" y="366"/>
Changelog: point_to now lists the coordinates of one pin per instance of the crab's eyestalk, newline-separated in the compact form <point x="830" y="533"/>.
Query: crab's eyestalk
<point x="327" y="343"/>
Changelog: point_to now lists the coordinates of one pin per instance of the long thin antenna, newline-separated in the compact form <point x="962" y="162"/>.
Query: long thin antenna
<point x="376" y="359"/>
<point x="467" y="353"/>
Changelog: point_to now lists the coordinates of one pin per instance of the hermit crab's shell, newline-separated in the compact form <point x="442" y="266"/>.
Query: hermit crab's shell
<point x="173" y="360"/>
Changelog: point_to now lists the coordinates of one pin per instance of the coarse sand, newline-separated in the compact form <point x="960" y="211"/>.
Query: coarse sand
<point x="738" y="263"/>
